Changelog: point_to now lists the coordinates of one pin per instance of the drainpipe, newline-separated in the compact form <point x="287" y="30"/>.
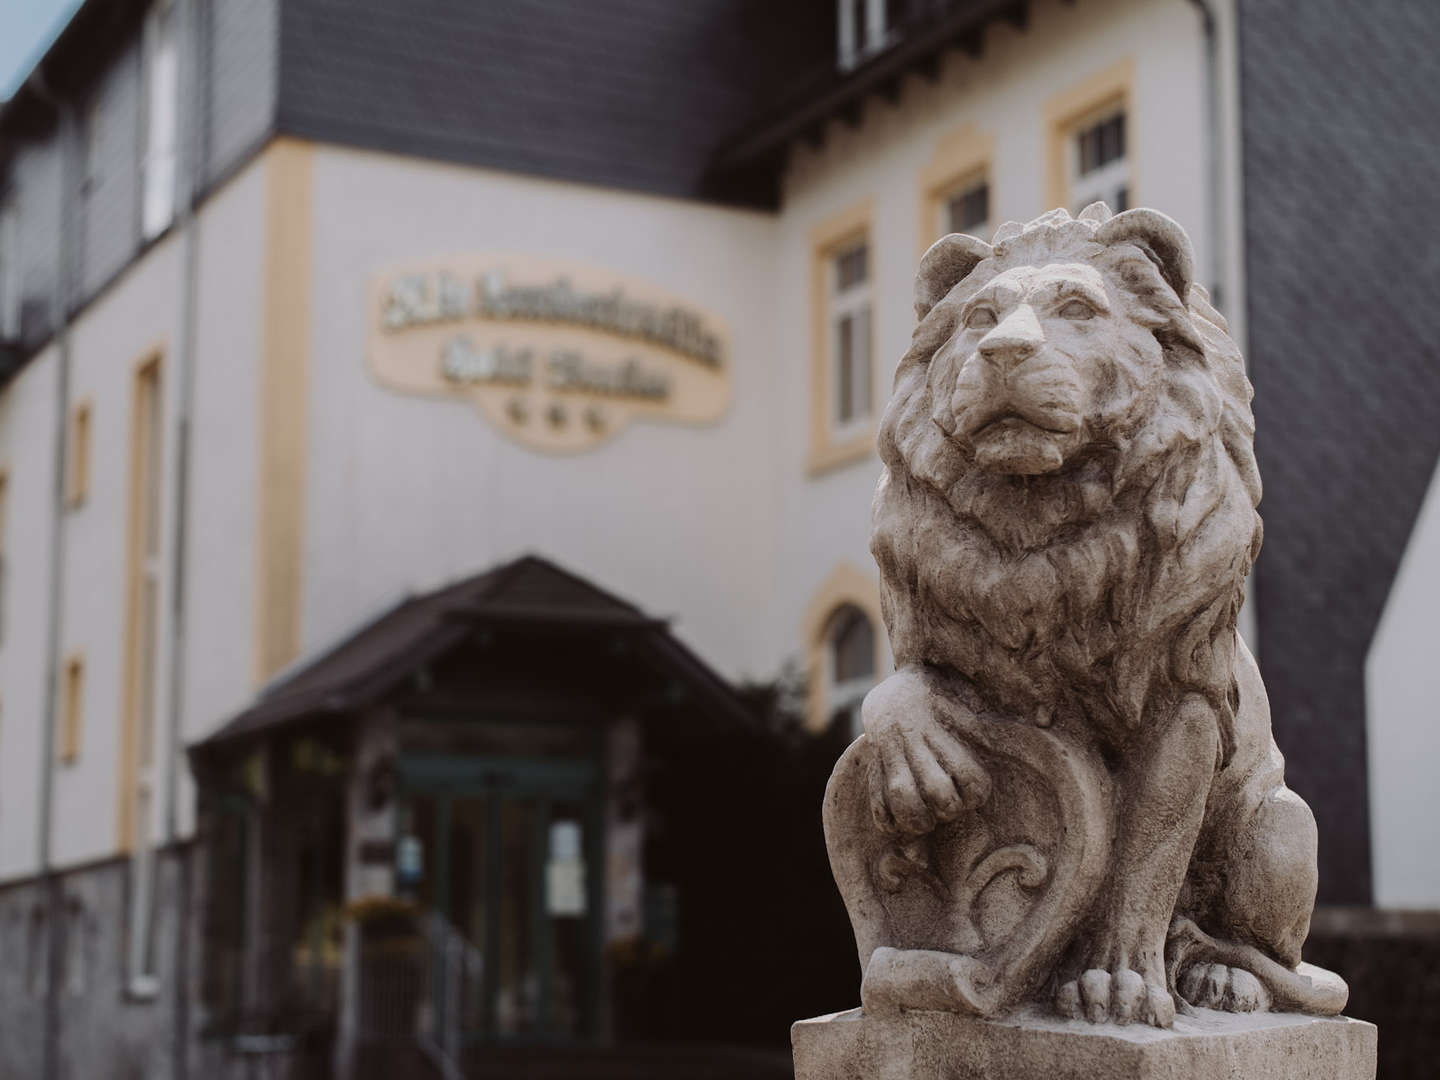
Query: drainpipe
<point x="65" y="293"/>
<point x="1214" y="178"/>
<point x="1247" y="623"/>
<point x="188" y="181"/>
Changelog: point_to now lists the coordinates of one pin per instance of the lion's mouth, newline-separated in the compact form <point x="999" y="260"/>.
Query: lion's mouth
<point x="1007" y="420"/>
<point x="1022" y="441"/>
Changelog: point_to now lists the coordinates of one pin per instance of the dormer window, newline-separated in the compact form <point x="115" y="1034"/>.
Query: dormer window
<point x="865" y="27"/>
<point x="9" y="271"/>
<point x="162" y="77"/>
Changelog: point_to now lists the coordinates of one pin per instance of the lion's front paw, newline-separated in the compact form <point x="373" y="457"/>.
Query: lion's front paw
<point x="1121" y="997"/>
<point x="1122" y="986"/>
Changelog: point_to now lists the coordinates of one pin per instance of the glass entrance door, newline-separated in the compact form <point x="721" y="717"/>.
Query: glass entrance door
<point x="511" y="857"/>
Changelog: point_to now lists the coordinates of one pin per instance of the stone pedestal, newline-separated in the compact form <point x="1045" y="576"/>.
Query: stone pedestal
<point x="1032" y="1045"/>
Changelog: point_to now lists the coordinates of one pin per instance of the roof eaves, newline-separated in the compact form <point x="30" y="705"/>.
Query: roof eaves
<point x="839" y="93"/>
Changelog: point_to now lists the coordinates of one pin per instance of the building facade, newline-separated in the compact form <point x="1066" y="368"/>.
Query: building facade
<point x="569" y="320"/>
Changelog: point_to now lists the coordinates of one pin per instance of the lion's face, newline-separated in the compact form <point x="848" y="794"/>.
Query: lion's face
<point x="1069" y="393"/>
<point x="1041" y="362"/>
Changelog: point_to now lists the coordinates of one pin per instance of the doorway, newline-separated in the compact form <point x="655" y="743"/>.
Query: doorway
<point x="509" y="852"/>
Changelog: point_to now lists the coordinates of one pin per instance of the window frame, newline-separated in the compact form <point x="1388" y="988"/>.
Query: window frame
<point x="855" y="302"/>
<point x="9" y="269"/>
<point x="71" y="719"/>
<point x="845" y="586"/>
<point x="79" y="451"/>
<point x="962" y="158"/>
<point x="139" y="787"/>
<point x="833" y="443"/>
<point x="159" y="151"/>
<point x="876" y="28"/>
<point x="5" y="497"/>
<point x="1101" y="182"/>
<point x="1106" y="91"/>
<point x="851" y="692"/>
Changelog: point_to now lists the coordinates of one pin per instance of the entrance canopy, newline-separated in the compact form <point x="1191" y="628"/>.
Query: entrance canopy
<point x="579" y="637"/>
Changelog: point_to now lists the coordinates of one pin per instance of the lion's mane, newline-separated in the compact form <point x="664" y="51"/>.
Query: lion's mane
<point x="1104" y="591"/>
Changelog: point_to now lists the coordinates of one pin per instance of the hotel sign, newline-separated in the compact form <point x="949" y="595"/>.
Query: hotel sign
<point x="560" y="356"/>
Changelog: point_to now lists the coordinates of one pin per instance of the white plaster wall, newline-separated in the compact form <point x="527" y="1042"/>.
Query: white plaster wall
<point x="134" y="317"/>
<point x="407" y="492"/>
<point x="1402" y="724"/>
<point x="721" y="526"/>
<point x="1003" y="94"/>
<point x="27" y="453"/>
<point x="225" y="457"/>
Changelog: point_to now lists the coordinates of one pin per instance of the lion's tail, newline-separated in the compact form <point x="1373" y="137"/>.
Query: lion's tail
<point x="1307" y="989"/>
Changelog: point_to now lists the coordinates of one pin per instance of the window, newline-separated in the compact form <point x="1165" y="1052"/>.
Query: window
<point x="162" y="85"/>
<point x="92" y="153"/>
<point x="864" y="27"/>
<point x="1099" y="170"/>
<point x="137" y="788"/>
<point x="1092" y="141"/>
<point x="842" y="379"/>
<point x="78" y="467"/>
<point x="9" y="271"/>
<point x="72" y="704"/>
<point x="967" y="208"/>
<point x="77" y="947"/>
<point x="4" y="558"/>
<point x="850" y="341"/>
<point x="849" y="665"/>
<point x="37" y="953"/>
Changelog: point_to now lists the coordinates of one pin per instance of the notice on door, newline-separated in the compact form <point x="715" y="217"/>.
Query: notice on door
<point x="565" y="872"/>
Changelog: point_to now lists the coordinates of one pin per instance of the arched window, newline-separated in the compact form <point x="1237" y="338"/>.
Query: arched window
<point x="849" y="664"/>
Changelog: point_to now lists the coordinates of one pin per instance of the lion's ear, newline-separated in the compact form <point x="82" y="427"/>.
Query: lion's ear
<point x="947" y="262"/>
<point x="1161" y="238"/>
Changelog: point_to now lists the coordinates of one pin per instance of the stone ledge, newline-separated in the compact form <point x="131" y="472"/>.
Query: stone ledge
<point x="1030" y="1045"/>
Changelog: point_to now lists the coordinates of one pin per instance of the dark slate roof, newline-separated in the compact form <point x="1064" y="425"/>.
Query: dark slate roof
<point x="633" y="94"/>
<point x="1341" y="152"/>
<point x="384" y="655"/>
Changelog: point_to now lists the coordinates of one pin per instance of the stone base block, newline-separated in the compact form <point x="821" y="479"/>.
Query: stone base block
<point x="1031" y="1045"/>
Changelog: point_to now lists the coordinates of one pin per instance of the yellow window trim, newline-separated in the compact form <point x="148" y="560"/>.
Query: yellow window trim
<point x="846" y="584"/>
<point x="1101" y="91"/>
<point x="72" y="710"/>
<point x="961" y="156"/>
<point x="826" y="451"/>
<point x="82" y="437"/>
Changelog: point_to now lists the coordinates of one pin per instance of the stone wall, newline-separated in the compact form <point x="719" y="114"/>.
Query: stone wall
<point x="102" y="1029"/>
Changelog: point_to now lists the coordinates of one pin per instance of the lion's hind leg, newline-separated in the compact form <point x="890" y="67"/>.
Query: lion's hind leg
<point x="1209" y="969"/>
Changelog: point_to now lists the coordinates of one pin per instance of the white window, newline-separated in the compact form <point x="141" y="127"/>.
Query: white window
<point x="850" y="337"/>
<point x="9" y="272"/>
<point x="864" y="27"/>
<point x="142" y="679"/>
<point x="1099" y="169"/>
<point x="162" y="76"/>
<point x="966" y="208"/>
<point x="849" y="665"/>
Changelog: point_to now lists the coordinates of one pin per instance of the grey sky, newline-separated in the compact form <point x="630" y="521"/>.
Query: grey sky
<point x="26" y="28"/>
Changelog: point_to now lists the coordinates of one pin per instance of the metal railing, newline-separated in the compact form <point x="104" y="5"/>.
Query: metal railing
<point x="454" y="1005"/>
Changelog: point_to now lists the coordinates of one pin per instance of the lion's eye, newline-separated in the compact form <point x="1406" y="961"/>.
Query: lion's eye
<point x="1076" y="309"/>
<point x="980" y="316"/>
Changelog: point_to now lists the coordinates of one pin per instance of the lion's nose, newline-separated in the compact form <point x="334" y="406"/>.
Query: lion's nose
<point x="1015" y="340"/>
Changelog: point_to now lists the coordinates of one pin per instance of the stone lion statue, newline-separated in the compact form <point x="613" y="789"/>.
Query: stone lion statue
<point x="1068" y="790"/>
